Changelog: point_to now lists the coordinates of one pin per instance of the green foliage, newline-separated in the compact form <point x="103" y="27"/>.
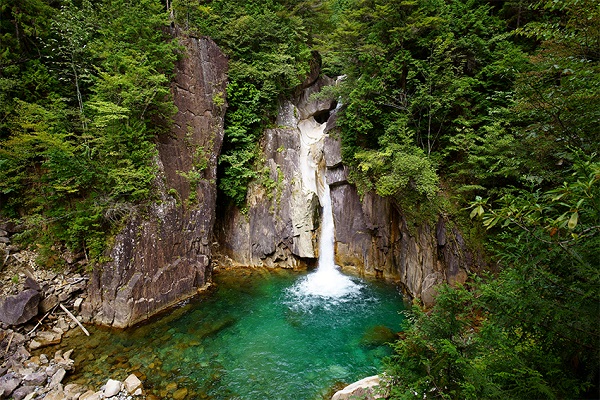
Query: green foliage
<point x="80" y="112"/>
<point x="421" y="76"/>
<point x="396" y="168"/>
<point x="531" y="330"/>
<point x="269" y="57"/>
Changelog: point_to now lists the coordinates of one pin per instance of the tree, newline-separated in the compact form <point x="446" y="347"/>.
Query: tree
<point x="531" y="330"/>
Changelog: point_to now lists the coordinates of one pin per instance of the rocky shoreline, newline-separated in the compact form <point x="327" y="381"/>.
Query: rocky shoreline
<point x="38" y="308"/>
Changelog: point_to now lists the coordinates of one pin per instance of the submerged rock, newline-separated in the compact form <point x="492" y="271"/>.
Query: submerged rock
<point x="378" y="336"/>
<point x="180" y="394"/>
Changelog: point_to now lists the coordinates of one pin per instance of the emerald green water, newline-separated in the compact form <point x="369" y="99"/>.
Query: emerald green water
<point x="253" y="337"/>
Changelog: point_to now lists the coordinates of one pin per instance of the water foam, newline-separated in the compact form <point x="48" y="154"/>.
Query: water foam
<point x="326" y="282"/>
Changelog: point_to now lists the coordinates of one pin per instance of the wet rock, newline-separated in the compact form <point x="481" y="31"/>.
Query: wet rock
<point x="365" y="389"/>
<point x="282" y="225"/>
<point x="180" y="394"/>
<point x="18" y="309"/>
<point x="112" y="388"/>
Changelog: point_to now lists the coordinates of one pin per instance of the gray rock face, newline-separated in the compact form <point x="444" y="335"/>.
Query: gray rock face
<point x="373" y="238"/>
<point x="162" y="255"/>
<point x="281" y="226"/>
<point x="20" y="308"/>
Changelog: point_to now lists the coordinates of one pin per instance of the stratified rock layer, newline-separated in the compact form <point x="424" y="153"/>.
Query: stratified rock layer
<point x="163" y="254"/>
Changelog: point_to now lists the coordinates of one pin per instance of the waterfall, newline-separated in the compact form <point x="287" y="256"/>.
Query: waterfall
<point x="326" y="281"/>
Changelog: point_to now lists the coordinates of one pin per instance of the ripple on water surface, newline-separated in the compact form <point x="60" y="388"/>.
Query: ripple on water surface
<point x="256" y="336"/>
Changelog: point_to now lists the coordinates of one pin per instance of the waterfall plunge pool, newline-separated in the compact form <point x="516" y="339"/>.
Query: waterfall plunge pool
<point x="257" y="335"/>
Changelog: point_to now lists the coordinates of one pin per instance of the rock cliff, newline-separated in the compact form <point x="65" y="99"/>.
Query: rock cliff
<point x="373" y="237"/>
<point x="281" y="225"/>
<point x="163" y="253"/>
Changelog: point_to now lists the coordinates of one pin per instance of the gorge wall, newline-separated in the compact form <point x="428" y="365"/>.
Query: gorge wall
<point x="163" y="253"/>
<point x="372" y="236"/>
<point x="281" y="226"/>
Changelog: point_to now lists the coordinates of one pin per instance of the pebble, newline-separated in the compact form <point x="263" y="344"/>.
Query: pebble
<point x="112" y="388"/>
<point x="132" y="383"/>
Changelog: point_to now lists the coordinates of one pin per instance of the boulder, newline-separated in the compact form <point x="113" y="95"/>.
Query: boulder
<point x="365" y="389"/>
<point x="112" y="387"/>
<point x="20" y="308"/>
<point x="8" y="383"/>
<point x="22" y="392"/>
<point x="132" y="383"/>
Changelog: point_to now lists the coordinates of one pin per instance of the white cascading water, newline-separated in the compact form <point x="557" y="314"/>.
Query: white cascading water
<point x="326" y="281"/>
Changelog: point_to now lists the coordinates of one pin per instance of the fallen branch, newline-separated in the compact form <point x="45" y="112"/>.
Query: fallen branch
<point x="43" y="318"/>
<point x="9" y="342"/>
<point x="74" y="319"/>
